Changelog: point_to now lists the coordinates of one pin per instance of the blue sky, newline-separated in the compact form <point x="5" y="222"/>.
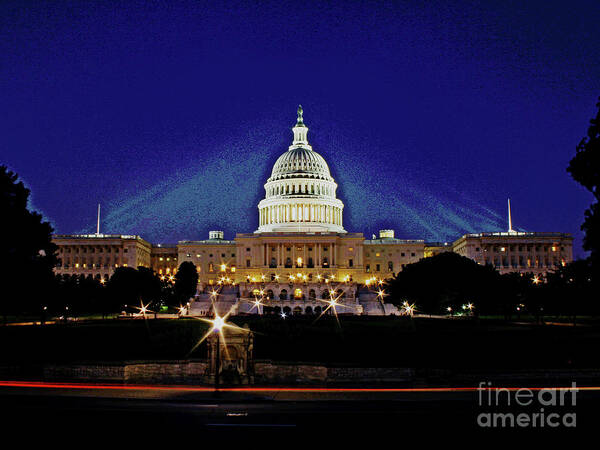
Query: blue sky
<point x="171" y="114"/>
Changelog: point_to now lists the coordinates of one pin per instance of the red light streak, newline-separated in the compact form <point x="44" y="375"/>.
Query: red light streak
<point x="56" y="385"/>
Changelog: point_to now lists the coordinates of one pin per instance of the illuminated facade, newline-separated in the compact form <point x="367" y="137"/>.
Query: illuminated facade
<point x="516" y="251"/>
<point x="301" y="255"/>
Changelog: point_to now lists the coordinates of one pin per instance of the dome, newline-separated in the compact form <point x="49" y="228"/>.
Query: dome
<point x="300" y="194"/>
<point x="300" y="162"/>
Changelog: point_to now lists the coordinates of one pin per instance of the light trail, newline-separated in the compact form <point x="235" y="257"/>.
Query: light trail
<point x="58" y="385"/>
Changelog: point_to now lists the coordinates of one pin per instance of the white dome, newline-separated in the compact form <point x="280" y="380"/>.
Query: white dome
<point x="300" y="194"/>
<point x="300" y="162"/>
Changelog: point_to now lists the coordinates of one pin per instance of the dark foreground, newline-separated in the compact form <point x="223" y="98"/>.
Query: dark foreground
<point x="189" y="414"/>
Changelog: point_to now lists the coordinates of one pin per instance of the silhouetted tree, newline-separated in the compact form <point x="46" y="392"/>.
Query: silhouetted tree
<point x="129" y="286"/>
<point x="27" y="254"/>
<point x="585" y="169"/>
<point x="571" y="290"/>
<point x="186" y="282"/>
<point x="123" y="289"/>
<point x="444" y="280"/>
<point x="150" y="288"/>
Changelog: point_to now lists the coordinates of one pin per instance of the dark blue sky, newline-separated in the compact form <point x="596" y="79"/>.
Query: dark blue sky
<point x="171" y="114"/>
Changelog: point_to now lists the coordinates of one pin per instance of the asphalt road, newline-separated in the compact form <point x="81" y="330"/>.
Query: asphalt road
<point x="185" y="413"/>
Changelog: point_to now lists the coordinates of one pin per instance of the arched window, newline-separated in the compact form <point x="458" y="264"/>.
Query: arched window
<point x="283" y="294"/>
<point x="325" y="294"/>
<point x="269" y="294"/>
<point x="312" y="295"/>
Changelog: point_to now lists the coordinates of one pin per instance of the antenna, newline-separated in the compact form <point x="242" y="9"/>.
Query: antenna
<point x="510" y="228"/>
<point x="98" y="224"/>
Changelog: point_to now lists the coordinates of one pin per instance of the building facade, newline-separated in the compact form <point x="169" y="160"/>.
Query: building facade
<point x="300" y="254"/>
<point x="515" y="251"/>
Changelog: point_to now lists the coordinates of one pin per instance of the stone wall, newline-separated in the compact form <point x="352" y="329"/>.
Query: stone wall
<point x="286" y="373"/>
<point x="196" y="372"/>
<point x="173" y="372"/>
<point x="290" y="373"/>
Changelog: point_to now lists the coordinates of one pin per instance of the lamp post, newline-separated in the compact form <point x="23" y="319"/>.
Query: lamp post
<point x="217" y="361"/>
<point x="217" y="327"/>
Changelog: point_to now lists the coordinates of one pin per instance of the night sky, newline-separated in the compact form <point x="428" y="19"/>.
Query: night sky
<point x="171" y="114"/>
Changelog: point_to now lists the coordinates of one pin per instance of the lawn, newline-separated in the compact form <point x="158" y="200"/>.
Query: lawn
<point x="362" y="341"/>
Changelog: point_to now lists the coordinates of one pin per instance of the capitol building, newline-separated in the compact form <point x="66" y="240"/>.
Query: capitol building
<point x="300" y="255"/>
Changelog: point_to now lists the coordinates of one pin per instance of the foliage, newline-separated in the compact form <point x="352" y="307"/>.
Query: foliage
<point x="444" y="280"/>
<point x="585" y="169"/>
<point x="450" y="280"/>
<point x="27" y="254"/>
<point x="186" y="281"/>
<point x="129" y="286"/>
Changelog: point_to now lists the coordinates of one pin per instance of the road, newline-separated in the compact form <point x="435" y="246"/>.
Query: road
<point x="88" y="409"/>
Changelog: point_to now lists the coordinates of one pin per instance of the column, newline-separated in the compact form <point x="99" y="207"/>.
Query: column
<point x="304" y="258"/>
<point x="318" y="253"/>
<point x="333" y="255"/>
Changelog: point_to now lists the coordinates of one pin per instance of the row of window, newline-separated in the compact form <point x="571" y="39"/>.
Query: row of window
<point x="402" y="254"/>
<point x="313" y="189"/>
<point x="198" y="255"/>
<point x="87" y="266"/>
<point x="390" y="267"/>
<point x="92" y="249"/>
<point x="521" y="248"/>
<point x="503" y="262"/>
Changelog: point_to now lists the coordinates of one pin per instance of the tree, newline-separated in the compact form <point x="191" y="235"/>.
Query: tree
<point x="123" y="289"/>
<point x="445" y="280"/>
<point x="186" y="282"/>
<point x="585" y="169"/>
<point x="27" y="254"/>
<point x="129" y="286"/>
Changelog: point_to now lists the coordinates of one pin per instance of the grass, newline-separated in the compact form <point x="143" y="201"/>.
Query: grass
<point x="360" y="341"/>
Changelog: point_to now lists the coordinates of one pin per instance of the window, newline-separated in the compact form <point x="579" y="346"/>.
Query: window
<point x="368" y="268"/>
<point x="377" y="268"/>
<point x="233" y="255"/>
<point x="350" y="263"/>
<point x="222" y="255"/>
<point x="247" y="263"/>
<point x="390" y="266"/>
<point x="412" y="254"/>
<point x="211" y="255"/>
<point x="402" y="254"/>
<point x="247" y="249"/>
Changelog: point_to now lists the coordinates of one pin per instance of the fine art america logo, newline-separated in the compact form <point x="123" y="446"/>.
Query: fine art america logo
<point x="526" y="408"/>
